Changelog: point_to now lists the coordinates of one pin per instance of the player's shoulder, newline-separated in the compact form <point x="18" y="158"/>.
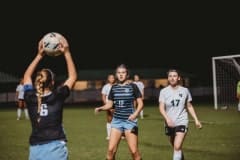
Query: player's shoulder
<point x="164" y="89"/>
<point x="133" y="84"/>
<point x="105" y="85"/>
<point x="115" y="85"/>
<point x="184" y="89"/>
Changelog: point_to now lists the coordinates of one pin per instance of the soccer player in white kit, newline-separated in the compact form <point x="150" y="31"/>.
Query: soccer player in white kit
<point x="20" y="101"/>
<point x="136" y="80"/>
<point x="105" y="92"/>
<point x="174" y="105"/>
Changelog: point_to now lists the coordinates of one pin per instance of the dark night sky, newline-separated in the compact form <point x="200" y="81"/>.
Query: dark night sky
<point x="139" y="36"/>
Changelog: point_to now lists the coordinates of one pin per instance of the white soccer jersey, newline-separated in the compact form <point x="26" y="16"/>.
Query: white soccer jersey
<point x="140" y="85"/>
<point x="175" y="101"/>
<point x="20" y="90"/>
<point x="106" y="90"/>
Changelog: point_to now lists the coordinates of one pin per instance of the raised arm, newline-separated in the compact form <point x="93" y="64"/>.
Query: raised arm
<point x="31" y="68"/>
<point x="72" y="74"/>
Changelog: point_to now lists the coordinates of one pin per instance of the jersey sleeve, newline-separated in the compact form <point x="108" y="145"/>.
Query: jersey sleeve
<point x="110" y="96"/>
<point x="161" y="97"/>
<point x="142" y="86"/>
<point x="63" y="91"/>
<point x="28" y="87"/>
<point x="104" y="90"/>
<point x="136" y="91"/>
<point x="17" y="89"/>
<point x="29" y="92"/>
<point x="189" y="96"/>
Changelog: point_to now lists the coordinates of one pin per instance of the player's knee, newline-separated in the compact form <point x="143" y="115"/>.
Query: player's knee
<point x="177" y="147"/>
<point x="110" y="158"/>
<point x="134" y="151"/>
<point x="136" y="155"/>
<point x="111" y="151"/>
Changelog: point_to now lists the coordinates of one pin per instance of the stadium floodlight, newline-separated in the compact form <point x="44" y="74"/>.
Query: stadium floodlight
<point x="226" y="74"/>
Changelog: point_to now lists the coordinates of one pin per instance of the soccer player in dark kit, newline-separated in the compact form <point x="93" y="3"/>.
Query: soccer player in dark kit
<point x="45" y="103"/>
<point x="122" y="97"/>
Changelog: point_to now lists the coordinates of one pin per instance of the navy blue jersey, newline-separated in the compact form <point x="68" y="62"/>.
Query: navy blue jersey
<point x="50" y="125"/>
<point x="123" y="97"/>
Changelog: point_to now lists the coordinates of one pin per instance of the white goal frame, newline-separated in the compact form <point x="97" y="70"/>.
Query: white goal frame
<point x="214" y="72"/>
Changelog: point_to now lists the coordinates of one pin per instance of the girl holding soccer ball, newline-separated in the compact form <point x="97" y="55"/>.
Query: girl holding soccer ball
<point x="45" y="104"/>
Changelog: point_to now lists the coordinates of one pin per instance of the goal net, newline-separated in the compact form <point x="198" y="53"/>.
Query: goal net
<point x="226" y="74"/>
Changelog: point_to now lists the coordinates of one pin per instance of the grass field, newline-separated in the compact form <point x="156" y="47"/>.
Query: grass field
<point x="218" y="140"/>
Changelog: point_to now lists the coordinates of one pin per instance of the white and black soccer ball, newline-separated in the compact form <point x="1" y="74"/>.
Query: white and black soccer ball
<point x="51" y="43"/>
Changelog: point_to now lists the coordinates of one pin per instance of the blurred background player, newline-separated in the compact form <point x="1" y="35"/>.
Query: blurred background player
<point x="105" y="92"/>
<point x="237" y="66"/>
<point x="121" y="98"/>
<point x="238" y="95"/>
<point x="174" y="105"/>
<point x="136" y="80"/>
<point x="45" y="103"/>
<point x="21" y="106"/>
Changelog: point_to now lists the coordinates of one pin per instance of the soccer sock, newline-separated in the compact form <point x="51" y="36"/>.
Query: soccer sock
<point x="177" y="155"/>
<point x="238" y="106"/>
<point x="141" y="113"/>
<point x="19" y="112"/>
<point x="108" y="126"/>
<point x="26" y="113"/>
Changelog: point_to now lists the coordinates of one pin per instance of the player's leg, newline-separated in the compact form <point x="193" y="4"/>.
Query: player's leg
<point x="141" y="114"/>
<point x="239" y="104"/>
<point x="180" y="135"/>
<point x="19" y="109"/>
<point x="171" y="134"/>
<point x="131" y="134"/>
<point x="108" y="124"/>
<point x="114" y="140"/>
<point x="25" y="111"/>
<point x="132" y="140"/>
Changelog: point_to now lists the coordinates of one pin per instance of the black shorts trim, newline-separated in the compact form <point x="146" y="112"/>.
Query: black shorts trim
<point x="169" y="131"/>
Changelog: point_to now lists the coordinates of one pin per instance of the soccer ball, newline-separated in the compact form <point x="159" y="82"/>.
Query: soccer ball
<point x="51" y="42"/>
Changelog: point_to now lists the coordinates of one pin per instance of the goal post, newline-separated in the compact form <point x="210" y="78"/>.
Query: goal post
<point x="226" y="74"/>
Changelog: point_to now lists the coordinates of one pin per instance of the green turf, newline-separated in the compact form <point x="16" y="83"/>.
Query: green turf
<point x="218" y="140"/>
